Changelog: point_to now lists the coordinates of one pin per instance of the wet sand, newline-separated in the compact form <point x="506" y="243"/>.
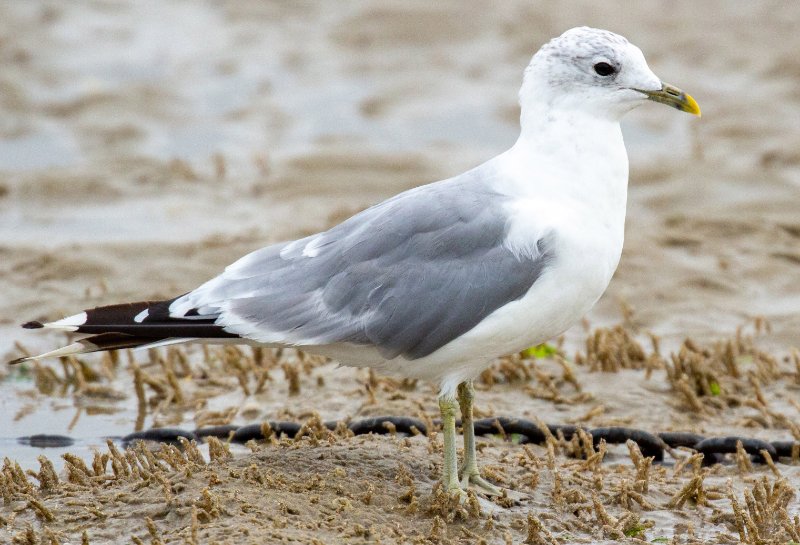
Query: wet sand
<point x="144" y="147"/>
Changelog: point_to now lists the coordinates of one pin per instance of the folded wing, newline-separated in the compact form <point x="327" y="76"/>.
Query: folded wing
<point x="406" y="276"/>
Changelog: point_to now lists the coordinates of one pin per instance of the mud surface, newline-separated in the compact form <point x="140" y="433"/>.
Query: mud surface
<point x="144" y="146"/>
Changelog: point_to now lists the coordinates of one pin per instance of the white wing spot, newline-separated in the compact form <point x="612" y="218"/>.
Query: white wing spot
<point x="312" y="248"/>
<point x="139" y="318"/>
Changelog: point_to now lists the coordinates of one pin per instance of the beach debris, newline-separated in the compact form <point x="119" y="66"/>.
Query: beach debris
<point x="613" y="349"/>
<point x="764" y="519"/>
<point x="585" y="496"/>
<point x="538" y="534"/>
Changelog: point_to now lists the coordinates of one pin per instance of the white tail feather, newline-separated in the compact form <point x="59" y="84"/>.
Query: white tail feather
<point x="70" y="323"/>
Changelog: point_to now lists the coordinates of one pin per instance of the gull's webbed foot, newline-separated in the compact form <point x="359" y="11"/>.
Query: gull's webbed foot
<point x="480" y="485"/>
<point x="467" y="502"/>
<point x="472" y="480"/>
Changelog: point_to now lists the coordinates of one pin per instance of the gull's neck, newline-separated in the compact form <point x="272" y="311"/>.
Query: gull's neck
<point x="570" y="153"/>
<point x="567" y="167"/>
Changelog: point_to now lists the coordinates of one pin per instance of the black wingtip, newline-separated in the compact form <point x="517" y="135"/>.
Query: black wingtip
<point x="17" y="361"/>
<point x="33" y="325"/>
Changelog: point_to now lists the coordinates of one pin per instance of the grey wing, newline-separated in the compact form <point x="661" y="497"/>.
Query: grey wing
<point x="406" y="276"/>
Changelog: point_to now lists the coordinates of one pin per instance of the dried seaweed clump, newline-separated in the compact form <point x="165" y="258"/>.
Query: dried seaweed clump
<point x="764" y="519"/>
<point x="509" y="370"/>
<point x="538" y="534"/>
<point x="724" y="374"/>
<point x="615" y="348"/>
<point x="14" y="484"/>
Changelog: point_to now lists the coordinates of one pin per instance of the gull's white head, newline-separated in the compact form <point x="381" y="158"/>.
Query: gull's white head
<point x="597" y="72"/>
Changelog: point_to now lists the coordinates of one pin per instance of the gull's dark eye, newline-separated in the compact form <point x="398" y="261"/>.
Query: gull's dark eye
<point x="604" y="69"/>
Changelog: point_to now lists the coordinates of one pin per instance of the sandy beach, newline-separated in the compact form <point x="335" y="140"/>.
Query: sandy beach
<point x="144" y="146"/>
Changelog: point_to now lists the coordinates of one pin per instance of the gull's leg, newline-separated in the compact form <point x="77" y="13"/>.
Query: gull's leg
<point x="447" y="407"/>
<point x="470" y="475"/>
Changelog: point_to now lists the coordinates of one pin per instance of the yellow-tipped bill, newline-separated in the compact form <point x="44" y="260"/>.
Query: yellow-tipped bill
<point x="672" y="96"/>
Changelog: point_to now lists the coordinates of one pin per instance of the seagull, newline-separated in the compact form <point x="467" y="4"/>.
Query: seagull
<point x="438" y="281"/>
